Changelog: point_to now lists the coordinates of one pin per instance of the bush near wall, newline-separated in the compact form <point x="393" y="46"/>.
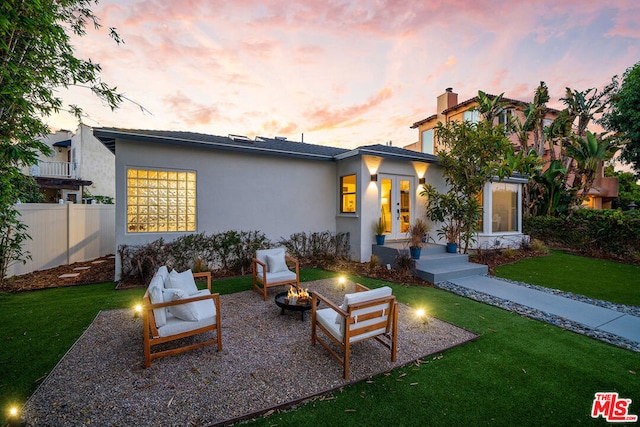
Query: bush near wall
<point x="228" y="253"/>
<point x="604" y="233"/>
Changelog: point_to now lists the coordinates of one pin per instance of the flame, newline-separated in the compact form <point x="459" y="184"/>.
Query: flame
<point x="298" y="293"/>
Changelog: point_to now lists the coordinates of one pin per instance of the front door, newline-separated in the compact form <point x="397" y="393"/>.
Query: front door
<point x="395" y="204"/>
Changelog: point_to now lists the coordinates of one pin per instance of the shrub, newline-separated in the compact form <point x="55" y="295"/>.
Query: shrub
<point x="321" y="247"/>
<point x="605" y="233"/>
<point x="229" y="252"/>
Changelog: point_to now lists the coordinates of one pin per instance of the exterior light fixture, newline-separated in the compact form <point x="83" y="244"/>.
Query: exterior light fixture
<point x="421" y="314"/>
<point x="342" y="280"/>
<point x="422" y="181"/>
<point x="14" y="412"/>
<point x="137" y="310"/>
<point x="374" y="177"/>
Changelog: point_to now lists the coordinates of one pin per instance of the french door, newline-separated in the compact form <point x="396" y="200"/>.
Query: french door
<point x="395" y="204"/>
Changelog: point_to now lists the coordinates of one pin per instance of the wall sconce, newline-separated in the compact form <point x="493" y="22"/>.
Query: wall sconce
<point x="422" y="181"/>
<point x="374" y="177"/>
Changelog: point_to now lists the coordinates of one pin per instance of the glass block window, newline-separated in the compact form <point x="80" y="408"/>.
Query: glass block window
<point x="160" y="201"/>
<point x="348" y="194"/>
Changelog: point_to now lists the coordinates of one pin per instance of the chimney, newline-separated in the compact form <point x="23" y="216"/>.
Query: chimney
<point x="447" y="100"/>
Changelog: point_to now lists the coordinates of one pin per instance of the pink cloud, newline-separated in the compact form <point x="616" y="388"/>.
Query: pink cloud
<point x="327" y="118"/>
<point x="192" y="113"/>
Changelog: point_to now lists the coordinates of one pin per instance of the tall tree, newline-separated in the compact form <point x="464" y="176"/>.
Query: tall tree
<point x="36" y="61"/>
<point x="535" y="115"/>
<point x="472" y="155"/>
<point x="589" y="154"/>
<point x="623" y="116"/>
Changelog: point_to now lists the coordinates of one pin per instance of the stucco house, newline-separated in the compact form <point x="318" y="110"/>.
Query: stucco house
<point x="172" y="183"/>
<point x="78" y="163"/>
<point x="604" y="189"/>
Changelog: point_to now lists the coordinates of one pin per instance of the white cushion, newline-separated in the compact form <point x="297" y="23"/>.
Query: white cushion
<point x="358" y="297"/>
<point x="155" y="295"/>
<point x="206" y="310"/>
<point x="186" y="311"/>
<point x="276" y="263"/>
<point x="163" y="272"/>
<point x="261" y="256"/>
<point x="283" y="276"/>
<point x="331" y="320"/>
<point x="184" y="281"/>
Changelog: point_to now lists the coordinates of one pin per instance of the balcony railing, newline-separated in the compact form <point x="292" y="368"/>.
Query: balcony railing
<point x="55" y="170"/>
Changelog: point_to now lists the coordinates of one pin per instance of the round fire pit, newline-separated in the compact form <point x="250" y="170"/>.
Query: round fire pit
<point x="282" y="302"/>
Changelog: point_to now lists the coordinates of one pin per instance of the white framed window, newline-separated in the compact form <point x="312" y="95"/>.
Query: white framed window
<point x="427" y="141"/>
<point x="472" y="116"/>
<point x="504" y="207"/>
<point x="348" y="194"/>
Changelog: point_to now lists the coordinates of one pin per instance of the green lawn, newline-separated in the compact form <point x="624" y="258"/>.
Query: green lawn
<point x="519" y="371"/>
<point x="594" y="278"/>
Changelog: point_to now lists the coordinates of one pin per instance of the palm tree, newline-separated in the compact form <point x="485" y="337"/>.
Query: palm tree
<point x="535" y="117"/>
<point x="588" y="154"/>
<point x="490" y="108"/>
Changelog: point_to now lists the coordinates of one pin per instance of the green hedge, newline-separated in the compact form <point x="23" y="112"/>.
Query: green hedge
<point x="605" y="233"/>
<point x="229" y="251"/>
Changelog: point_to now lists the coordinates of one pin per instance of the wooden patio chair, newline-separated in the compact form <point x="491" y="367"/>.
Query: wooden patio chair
<point x="270" y="268"/>
<point x="178" y="316"/>
<point x="364" y="314"/>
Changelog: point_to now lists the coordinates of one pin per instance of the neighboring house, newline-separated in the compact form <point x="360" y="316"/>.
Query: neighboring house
<point x="79" y="163"/>
<point x="604" y="190"/>
<point x="173" y="183"/>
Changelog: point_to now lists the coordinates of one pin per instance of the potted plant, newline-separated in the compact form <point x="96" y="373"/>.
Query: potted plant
<point x="451" y="233"/>
<point x="416" y="237"/>
<point x="379" y="227"/>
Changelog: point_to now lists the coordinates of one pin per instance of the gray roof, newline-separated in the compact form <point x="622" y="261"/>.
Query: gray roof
<point x="260" y="145"/>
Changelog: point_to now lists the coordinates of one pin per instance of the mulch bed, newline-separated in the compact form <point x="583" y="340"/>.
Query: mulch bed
<point x="100" y="270"/>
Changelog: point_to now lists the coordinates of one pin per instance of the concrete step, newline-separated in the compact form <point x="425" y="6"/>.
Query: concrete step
<point x="435" y="264"/>
<point x="442" y="259"/>
<point x="443" y="272"/>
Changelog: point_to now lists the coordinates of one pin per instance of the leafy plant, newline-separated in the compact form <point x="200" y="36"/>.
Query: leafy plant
<point x="36" y="61"/>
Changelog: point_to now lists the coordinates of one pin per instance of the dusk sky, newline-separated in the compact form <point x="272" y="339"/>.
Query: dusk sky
<point x="343" y="73"/>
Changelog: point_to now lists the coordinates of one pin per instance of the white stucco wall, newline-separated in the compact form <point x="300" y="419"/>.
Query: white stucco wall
<point x="95" y="162"/>
<point x="236" y="191"/>
<point x="360" y="225"/>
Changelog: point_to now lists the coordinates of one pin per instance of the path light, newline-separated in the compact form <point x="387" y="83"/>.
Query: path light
<point x="137" y="310"/>
<point x="14" y="412"/>
<point x="343" y="282"/>
<point x="421" y="314"/>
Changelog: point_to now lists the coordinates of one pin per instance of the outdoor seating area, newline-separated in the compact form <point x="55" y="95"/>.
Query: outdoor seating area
<point x="271" y="364"/>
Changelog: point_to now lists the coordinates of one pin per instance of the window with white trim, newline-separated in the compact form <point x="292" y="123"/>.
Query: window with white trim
<point x="348" y="194"/>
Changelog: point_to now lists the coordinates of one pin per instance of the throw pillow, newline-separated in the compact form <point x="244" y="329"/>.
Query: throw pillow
<point x="276" y="263"/>
<point x="181" y="311"/>
<point x="155" y="295"/>
<point x="182" y="281"/>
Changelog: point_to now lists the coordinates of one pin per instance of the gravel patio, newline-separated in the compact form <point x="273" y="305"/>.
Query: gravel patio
<point x="267" y="362"/>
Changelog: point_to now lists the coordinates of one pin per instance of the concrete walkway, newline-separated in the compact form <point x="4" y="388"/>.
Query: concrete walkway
<point x="594" y="317"/>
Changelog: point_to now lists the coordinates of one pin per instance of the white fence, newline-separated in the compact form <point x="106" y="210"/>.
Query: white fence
<point x="64" y="234"/>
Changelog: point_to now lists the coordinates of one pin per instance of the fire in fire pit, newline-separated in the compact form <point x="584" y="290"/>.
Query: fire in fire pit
<point x="298" y="296"/>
